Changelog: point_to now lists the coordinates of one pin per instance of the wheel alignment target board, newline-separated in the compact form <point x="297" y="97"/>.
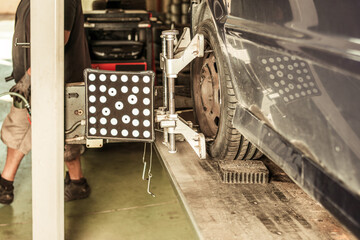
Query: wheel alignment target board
<point x="119" y="105"/>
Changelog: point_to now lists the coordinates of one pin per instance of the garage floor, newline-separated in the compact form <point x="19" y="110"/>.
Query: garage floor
<point x="276" y="210"/>
<point x="118" y="208"/>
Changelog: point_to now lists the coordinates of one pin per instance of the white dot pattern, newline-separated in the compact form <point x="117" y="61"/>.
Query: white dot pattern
<point x="102" y="77"/>
<point x="103" y="121"/>
<point x="147" y="134"/>
<point x="124" y="78"/>
<point x="126" y="119"/>
<point x="92" y="77"/>
<point x="135" y="90"/>
<point x="92" y="99"/>
<point x="92" y="120"/>
<point x="114" y="121"/>
<point x="113" y="78"/>
<point x="92" y="131"/>
<point x="132" y="99"/>
<point x="146" y="101"/>
<point x="103" y="99"/>
<point x="114" y="132"/>
<point x="135" y="111"/>
<point x="135" y="133"/>
<point x="102" y="88"/>
<point x="92" y="109"/>
<point x="290" y="77"/>
<point x="112" y="92"/>
<point x="124" y="89"/>
<point x="120" y="105"/>
<point x="106" y="111"/>
<point x="135" y="78"/>
<point x="92" y="88"/>
<point x="135" y="122"/>
<point x="146" y="112"/>
<point x="146" y="90"/>
<point x="146" y="79"/>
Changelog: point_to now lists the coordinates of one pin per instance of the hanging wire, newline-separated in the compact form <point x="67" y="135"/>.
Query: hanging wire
<point x="149" y="174"/>
<point x="144" y="162"/>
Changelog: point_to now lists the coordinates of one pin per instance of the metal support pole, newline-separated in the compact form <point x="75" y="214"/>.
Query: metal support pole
<point x="170" y="36"/>
<point x="165" y="89"/>
<point x="47" y="97"/>
<point x="164" y="78"/>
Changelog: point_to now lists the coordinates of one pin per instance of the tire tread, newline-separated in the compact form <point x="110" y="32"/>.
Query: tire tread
<point x="236" y="146"/>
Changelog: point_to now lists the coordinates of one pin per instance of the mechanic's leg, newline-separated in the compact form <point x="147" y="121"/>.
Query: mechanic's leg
<point x="76" y="186"/>
<point x="12" y="163"/>
<point x="16" y="135"/>
<point x="74" y="168"/>
<point x="7" y="176"/>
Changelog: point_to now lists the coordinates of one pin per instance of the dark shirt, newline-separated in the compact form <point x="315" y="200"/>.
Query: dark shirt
<point x="21" y="56"/>
<point x="77" y="56"/>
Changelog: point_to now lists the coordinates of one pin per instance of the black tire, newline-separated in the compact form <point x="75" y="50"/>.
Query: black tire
<point x="215" y="101"/>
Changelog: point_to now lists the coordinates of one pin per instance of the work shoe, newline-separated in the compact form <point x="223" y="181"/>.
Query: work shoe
<point x="6" y="191"/>
<point x="76" y="189"/>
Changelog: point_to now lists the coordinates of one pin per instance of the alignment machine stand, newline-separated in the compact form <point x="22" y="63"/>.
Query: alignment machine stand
<point x="172" y="61"/>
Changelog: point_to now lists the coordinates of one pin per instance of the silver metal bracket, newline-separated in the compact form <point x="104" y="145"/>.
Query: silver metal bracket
<point x="94" y="143"/>
<point x="176" y="125"/>
<point x="185" y="51"/>
<point x="196" y="140"/>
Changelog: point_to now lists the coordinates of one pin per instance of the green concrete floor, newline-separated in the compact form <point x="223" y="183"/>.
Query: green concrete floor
<point x="118" y="208"/>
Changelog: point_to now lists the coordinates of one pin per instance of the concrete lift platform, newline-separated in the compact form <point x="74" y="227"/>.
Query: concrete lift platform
<point x="277" y="210"/>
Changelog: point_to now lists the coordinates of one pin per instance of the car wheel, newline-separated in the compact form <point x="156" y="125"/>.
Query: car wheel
<point x="214" y="101"/>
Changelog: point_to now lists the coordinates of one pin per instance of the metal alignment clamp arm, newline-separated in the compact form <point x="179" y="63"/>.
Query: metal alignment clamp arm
<point x="185" y="51"/>
<point x="172" y="61"/>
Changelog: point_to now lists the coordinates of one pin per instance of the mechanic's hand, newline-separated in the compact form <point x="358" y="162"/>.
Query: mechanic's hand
<point x="23" y="87"/>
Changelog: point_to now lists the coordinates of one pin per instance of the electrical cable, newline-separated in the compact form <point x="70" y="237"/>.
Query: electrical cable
<point x="149" y="172"/>
<point x="27" y="105"/>
<point x="73" y="127"/>
<point x="144" y="162"/>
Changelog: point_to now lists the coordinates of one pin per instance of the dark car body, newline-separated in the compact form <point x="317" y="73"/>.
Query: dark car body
<point x="295" y="69"/>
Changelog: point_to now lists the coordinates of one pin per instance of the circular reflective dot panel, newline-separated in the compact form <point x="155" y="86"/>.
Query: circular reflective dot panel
<point x="114" y="132"/>
<point x="92" y="99"/>
<point x="103" y="99"/>
<point x="113" y="78"/>
<point x="287" y="79"/>
<point x="92" y="77"/>
<point x="103" y="121"/>
<point x="102" y="77"/>
<point x="92" y="131"/>
<point x="120" y="104"/>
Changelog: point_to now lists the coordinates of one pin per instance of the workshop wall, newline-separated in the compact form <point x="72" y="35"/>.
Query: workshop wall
<point x="8" y="7"/>
<point x="150" y="4"/>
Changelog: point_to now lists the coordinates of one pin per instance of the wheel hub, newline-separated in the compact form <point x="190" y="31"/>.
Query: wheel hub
<point x="210" y="94"/>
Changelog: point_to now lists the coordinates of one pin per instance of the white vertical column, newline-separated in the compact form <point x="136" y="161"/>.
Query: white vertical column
<point x="47" y="93"/>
